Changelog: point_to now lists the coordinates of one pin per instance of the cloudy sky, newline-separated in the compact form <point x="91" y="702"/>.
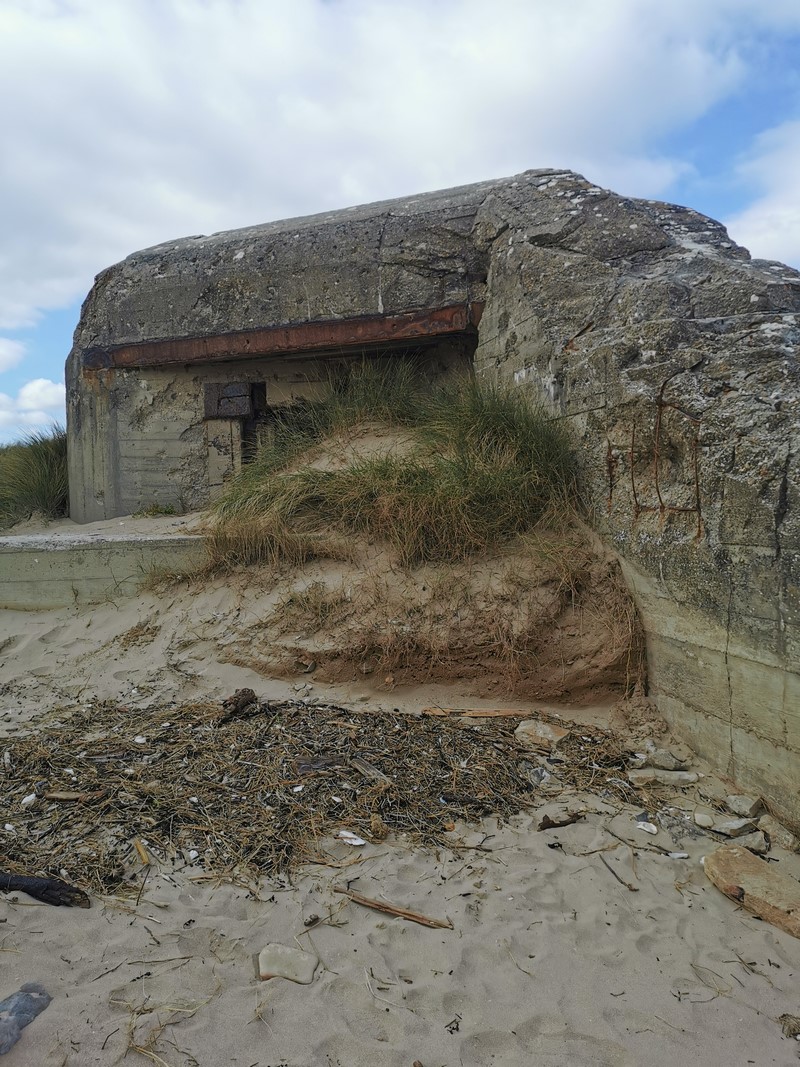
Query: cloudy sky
<point x="129" y="122"/>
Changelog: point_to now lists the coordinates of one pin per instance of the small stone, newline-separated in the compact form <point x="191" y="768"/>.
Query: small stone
<point x="778" y="834"/>
<point x="756" y="842"/>
<point x="747" y="807"/>
<point x="538" y="775"/>
<point x="664" y="760"/>
<point x="734" y="827"/>
<point x="712" y="790"/>
<point x="704" y="820"/>
<point x="653" y="776"/>
<point x="539" y="735"/>
<point x="285" y="961"/>
<point x="555" y="815"/>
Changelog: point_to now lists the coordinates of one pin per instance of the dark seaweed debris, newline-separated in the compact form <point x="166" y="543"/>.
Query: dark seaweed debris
<point x="254" y="790"/>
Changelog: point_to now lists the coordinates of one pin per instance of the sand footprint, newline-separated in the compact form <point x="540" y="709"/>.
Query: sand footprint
<point x="50" y="637"/>
<point x="349" y="1049"/>
<point x="10" y="643"/>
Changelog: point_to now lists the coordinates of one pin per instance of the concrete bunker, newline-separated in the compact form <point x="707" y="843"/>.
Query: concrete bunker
<point x="670" y="354"/>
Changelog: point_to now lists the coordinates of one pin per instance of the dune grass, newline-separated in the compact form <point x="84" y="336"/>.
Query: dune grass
<point x="33" y="477"/>
<point x="486" y="465"/>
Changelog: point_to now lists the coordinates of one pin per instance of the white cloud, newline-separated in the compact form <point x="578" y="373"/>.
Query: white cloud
<point x="126" y="124"/>
<point x="11" y="353"/>
<point x="37" y="405"/>
<point x="771" y="224"/>
<point x="40" y="393"/>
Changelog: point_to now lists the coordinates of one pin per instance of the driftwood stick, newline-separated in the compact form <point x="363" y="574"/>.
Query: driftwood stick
<point x="480" y="713"/>
<point x="633" y="888"/>
<point x="394" y="909"/>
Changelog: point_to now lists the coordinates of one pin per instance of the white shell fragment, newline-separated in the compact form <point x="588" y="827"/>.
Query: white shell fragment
<point x="29" y="800"/>
<point x="139" y="740"/>
<point x="351" y="838"/>
<point x="648" y="827"/>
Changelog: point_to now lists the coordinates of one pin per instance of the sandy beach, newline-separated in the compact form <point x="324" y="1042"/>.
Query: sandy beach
<point x="550" y="960"/>
<point x="583" y="944"/>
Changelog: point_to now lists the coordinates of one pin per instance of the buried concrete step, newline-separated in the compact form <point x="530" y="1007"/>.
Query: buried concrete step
<point x="60" y="569"/>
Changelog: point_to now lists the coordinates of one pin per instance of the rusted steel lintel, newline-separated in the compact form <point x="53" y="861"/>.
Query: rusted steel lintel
<point x="304" y="337"/>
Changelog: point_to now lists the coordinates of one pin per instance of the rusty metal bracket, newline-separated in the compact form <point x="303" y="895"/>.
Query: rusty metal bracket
<point x="293" y="339"/>
<point x="662" y="508"/>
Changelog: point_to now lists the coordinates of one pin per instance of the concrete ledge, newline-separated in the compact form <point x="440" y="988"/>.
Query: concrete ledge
<point x="39" y="571"/>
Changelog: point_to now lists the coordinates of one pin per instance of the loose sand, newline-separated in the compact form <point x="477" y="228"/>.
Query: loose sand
<point x="550" y="960"/>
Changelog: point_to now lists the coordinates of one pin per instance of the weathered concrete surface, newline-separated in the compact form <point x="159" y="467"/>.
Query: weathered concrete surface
<point x="58" y="570"/>
<point x="755" y="885"/>
<point x="672" y="355"/>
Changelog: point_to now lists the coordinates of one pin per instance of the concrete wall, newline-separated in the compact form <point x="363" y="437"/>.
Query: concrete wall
<point x="150" y="443"/>
<point x="688" y="429"/>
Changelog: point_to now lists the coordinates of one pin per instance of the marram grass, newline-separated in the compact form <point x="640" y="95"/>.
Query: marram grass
<point x="485" y="465"/>
<point x="33" y="477"/>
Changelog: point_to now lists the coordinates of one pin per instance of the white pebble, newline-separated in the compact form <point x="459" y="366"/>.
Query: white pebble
<point x="29" y="800"/>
